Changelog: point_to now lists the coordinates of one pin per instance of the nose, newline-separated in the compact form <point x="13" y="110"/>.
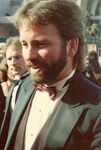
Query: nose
<point x="13" y="62"/>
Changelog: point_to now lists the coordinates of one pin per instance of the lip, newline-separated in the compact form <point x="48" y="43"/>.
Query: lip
<point x="34" y="66"/>
<point x="36" y="69"/>
<point x="15" y="69"/>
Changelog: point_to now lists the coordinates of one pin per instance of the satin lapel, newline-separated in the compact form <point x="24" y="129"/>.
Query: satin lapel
<point x="61" y="125"/>
<point x="25" y="94"/>
<point x="20" y="105"/>
<point x="9" y="97"/>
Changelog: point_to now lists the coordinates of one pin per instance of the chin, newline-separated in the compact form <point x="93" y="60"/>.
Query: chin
<point x="16" y="74"/>
<point x="38" y="78"/>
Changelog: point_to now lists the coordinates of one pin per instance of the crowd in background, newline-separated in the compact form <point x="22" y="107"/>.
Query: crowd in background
<point x="11" y="67"/>
<point x="93" y="68"/>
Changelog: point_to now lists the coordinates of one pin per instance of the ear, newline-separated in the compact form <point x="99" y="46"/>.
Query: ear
<point x="73" y="47"/>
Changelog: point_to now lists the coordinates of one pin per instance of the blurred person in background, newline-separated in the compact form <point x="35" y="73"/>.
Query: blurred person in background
<point x="16" y="65"/>
<point x="12" y="66"/>
<point x="93" y="68"/>
<point x="14" y="57"/>
<point x="3" y="79"/>
<point x="6" y="78"/>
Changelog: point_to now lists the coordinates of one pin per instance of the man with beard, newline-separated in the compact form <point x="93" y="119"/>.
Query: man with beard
<point x="64" y="110"/>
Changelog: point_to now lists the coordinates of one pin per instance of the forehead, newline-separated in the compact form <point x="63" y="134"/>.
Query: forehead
<point x="13" y="50"/>
<point x="35" y="31"/>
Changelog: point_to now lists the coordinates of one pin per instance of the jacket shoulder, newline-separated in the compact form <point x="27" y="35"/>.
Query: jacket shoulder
<point x="84" y="90"/>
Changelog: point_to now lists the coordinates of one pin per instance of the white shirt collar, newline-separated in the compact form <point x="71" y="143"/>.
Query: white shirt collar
<point x="17" y="77"/>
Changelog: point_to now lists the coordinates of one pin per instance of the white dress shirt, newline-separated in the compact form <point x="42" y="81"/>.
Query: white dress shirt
<point x="15" y="90"/>
<point x="14" y="93"/>
<point x="42" y="107"/>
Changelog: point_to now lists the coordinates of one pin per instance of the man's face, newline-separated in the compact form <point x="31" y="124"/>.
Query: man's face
<point x="44" y="52"/>
<point x="15" y="60"/>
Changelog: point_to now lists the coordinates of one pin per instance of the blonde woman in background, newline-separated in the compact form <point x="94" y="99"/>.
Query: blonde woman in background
<point x="6" y="76"/>
<point x="5" y="81"/>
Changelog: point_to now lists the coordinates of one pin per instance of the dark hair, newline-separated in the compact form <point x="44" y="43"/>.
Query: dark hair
<point x="64" y="14"/>
<point x="93" y="60"/>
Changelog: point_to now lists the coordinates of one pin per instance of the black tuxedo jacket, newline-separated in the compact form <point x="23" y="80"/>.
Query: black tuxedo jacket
<point x="74" y="125"/>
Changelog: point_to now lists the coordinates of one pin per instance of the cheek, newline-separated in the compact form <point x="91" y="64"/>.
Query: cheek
<point x="46" y="55"/>
<point x="43" y="53"/>
<point x="50" y="55"/>
<point x="21" y="62"/>
<point x="8" y="63"/>
<point x="25" y="55"/>
<point x="24" y="52"/>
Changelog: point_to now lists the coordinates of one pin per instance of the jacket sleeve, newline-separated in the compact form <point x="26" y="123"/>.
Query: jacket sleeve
<point x="96" y="142"/>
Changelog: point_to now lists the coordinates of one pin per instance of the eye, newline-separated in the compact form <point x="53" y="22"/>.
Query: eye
<point x="40" y="44"/>
<point x="9" y="58"/>
<point x="18" y="57"/>
<point x="25" y="45"/>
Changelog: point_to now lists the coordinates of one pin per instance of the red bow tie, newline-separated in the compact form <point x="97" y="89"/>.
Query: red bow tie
<point x="51" y="90"/>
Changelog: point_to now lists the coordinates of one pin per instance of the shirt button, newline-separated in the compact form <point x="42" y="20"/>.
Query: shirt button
<point x="31" y="134"/>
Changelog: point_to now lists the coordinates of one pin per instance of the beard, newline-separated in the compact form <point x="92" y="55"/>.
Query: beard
<point x="51" y="72"/>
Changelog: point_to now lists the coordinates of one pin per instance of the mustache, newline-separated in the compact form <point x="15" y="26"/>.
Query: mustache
<point x="36" y="62"/>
